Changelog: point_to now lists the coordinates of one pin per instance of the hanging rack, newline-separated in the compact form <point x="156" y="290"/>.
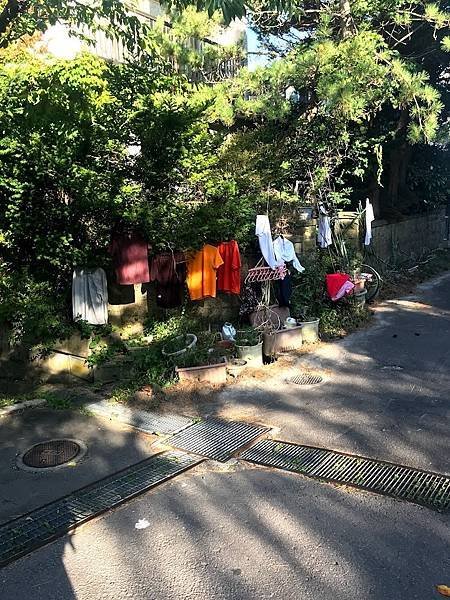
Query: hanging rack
<point x="260" y="273"/>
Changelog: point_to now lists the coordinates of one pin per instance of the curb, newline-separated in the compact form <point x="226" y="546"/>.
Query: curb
<point x="21" y="406"/>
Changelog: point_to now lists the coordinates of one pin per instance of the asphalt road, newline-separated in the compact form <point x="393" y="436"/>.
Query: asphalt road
<point x="386" y="390"/>
<point x="236" y="532"/>
<point x="251" y="534"/>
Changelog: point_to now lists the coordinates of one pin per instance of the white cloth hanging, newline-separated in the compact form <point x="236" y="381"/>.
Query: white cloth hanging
<point x="324" y="234"/>
<point x="369" y="218"/>
<point x="284" y="250"/>
<point x="265" y="241"/>
<point x="90" y="296"/>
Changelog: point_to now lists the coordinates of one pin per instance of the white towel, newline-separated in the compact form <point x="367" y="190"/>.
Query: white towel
<point x="265" y="241"/>
<point x="90" y="296"/>
<point x="369" y="218"/>
<point x="324" y="234"/>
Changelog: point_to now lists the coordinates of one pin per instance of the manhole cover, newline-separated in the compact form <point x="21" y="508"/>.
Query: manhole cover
<point x="306" y="379"/>
<point x="51" y="454"/>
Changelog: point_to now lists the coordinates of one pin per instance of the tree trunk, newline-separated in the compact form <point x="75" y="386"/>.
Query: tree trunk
<point x="345" y="19"/>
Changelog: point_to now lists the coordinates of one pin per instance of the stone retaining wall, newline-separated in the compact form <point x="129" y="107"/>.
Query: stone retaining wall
<point x="410" y="238"/>
<point x="392" y="242"/>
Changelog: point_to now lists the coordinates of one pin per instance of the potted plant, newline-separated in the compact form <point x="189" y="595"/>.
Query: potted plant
<point x="284" y="339"/>
<point x="249" y="346"/>
<point x="138" y="344"/>
<point x="287" y="339"/>
<point x="235" y="366"/>
<point x="179" y="345"/>
<point x="359" y="298"/>
<point x="309" y="325"/>
<point x="201" y="364"/>
<point x="358" y="281"/>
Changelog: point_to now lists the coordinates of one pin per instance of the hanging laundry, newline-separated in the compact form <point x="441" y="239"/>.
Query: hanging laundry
<point x="283" y="291"/>
<point x="285" y="251"/>
<point x="90" y="296"/>
<point x="130" y="259"/>
<point x="338" y="285"/>
<point x="324" y="234"/>
<point x="264" y="234"/>
<point x="168" y="271"/>
<point x="250" y="298"/>
<point x="202" y="272"/>
<point x="369" y="218"/>
<point x="229" y="274"/>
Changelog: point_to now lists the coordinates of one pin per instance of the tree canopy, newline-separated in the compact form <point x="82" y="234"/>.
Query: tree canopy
<point x="26" y="17"/>
<point x="87" y="147"/>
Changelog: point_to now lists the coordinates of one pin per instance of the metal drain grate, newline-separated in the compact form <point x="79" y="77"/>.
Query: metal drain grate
<point x="216" y="439"/>
<point x="413" y="485"/>
<point x="45" y="524"/>
<point x="306" y="379"/>
<point x="51" y="454"/>
<point x="150" y="422"/>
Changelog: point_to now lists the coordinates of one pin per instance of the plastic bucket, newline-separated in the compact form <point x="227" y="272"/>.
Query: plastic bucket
<point x="360" y="298"/>
<point x="310" y="331"/>
<point x="252" y="354"/>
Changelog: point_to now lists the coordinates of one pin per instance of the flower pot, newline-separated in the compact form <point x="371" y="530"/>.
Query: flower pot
<point x="290" y="323"/>
<point x="310" y="331"/>
<point x="360" y="298"/>
<point x="215" y="374"/>
<point x="269" y="343"/>
<point x="189" y="340"/>
<point x="236" y="366"/>
<point x="116" y="369"/>
<point x="252" y="354"/>
<point x="284" y="340"/>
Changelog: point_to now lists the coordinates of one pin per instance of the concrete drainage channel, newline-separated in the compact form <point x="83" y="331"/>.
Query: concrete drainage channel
<point x="211" y="438"/>
<point x="413" y="485"/>
<point x="208" y="439"/>
<point x="216" y="439"/>
<point x="41" y="526"/>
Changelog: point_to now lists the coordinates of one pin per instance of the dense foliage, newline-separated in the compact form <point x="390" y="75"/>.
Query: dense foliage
<point x="88" y="147"/>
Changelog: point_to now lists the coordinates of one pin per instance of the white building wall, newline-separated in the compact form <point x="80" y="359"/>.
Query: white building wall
<point x="59" y="43"/>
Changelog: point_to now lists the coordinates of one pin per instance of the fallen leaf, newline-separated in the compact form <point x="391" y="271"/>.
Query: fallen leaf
<point x="72" y="463"/>
<point x="444" y="590"/>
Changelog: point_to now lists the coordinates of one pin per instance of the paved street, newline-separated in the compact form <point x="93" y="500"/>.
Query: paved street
<point x="250" y="534"/>
<point x="386" y="394"/>
<point x="234" y="531"/>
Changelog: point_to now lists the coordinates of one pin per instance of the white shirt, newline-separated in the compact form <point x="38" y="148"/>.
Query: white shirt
<point x="324" y="234"/>
<point x="284" y="250"/>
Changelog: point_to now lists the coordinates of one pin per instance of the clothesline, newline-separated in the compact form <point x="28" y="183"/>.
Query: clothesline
<point x="204" y="272"/>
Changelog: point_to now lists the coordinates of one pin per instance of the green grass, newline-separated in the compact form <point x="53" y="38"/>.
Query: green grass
<point x="11" y="400"/>
<point x="8" y="401"/>
<point x="58" y="403"/>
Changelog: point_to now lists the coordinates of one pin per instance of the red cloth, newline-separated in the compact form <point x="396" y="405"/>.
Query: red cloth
<point x="130" y="259"/>
<point x="229" y="274"/>
<point x="338" y="285"/>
